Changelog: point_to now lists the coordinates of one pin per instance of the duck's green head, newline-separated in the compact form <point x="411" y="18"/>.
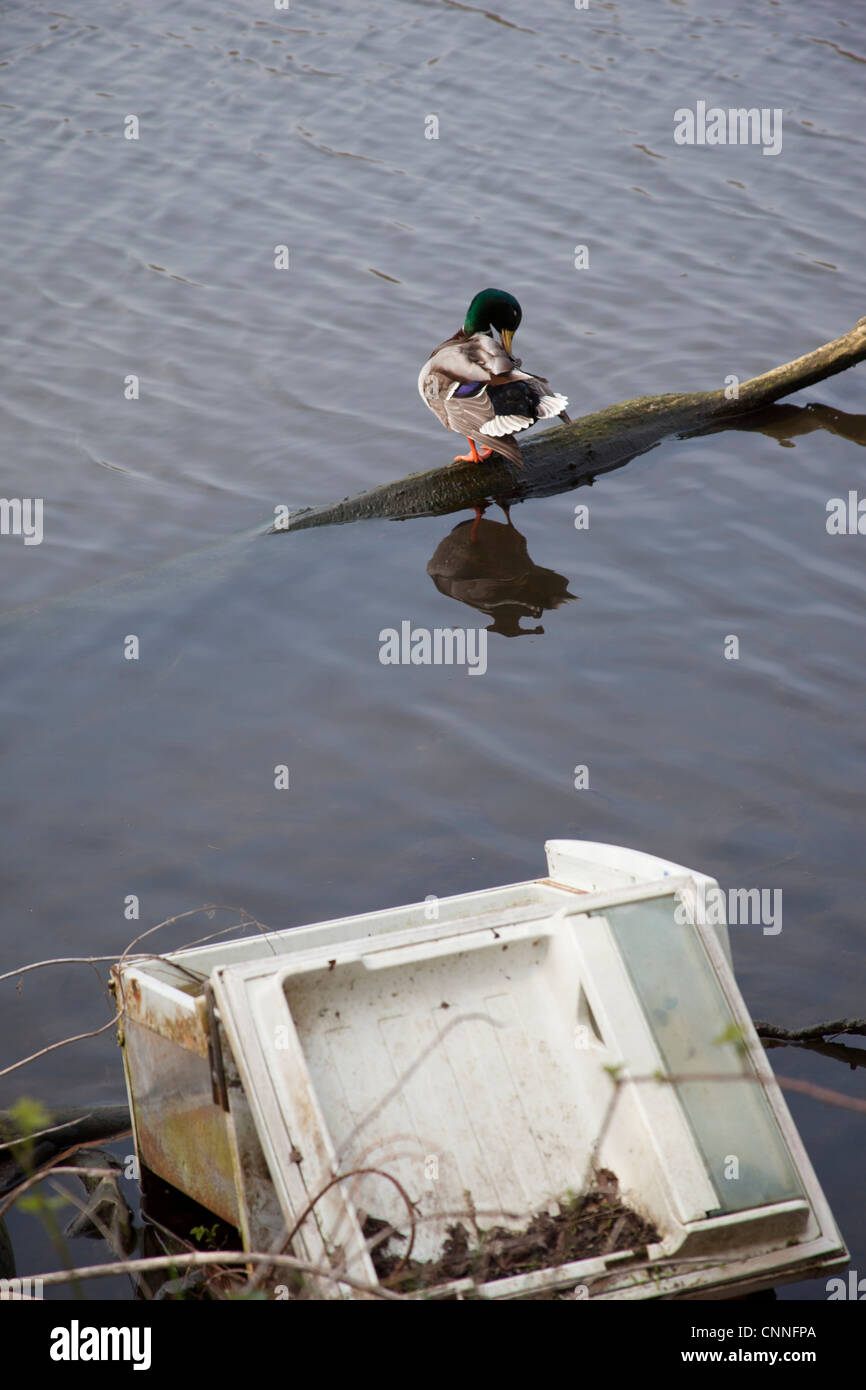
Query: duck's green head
<point x="494" y="309"/>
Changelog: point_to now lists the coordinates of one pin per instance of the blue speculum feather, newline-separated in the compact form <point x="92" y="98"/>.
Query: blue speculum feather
<point x="469" y="388"/>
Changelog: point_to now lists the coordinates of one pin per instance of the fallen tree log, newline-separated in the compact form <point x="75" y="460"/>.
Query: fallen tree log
<point x="571" y="455"/>
<point x="70" y="1126"/>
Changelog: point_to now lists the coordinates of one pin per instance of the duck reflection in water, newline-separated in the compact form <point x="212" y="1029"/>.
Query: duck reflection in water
<point x="485" y="564"/>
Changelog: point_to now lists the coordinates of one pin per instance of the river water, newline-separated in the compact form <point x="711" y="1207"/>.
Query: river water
<point x="154" y="258"/>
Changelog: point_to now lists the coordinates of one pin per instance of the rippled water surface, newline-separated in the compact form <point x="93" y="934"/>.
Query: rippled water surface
<point x="261" y="387"/>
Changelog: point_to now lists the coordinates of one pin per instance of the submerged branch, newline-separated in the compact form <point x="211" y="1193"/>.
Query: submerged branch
<point x="574" y="454"/>
<point x="815" y="1031"/>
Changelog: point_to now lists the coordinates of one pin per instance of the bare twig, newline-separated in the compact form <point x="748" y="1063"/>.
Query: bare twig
<point x="40" y="1133"/>
<point x="203" y="1258"/>
<point x="64" y="1042"/>
<point x="248" y="921"/>
<point x="358" y="1173"/>
<point x="822" y="1093"/>
<point x="57" y="960"/>
<point x="341" y="1177"/>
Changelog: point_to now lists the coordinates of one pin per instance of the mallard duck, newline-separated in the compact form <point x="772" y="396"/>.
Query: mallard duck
<point x="476" y="387"/>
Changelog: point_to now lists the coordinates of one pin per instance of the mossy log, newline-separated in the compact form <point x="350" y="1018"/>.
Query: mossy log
<point x="574" y="454"/>
<point x="69" y="1126"/>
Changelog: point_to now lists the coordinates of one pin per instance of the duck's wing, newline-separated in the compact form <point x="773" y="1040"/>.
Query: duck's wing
<point x="475" y="416"/>
<point x="475" y="357"/>
<point x="505" y="406"/>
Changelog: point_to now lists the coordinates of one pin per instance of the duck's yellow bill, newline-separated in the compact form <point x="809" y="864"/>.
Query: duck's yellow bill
<point x="507" y="335"/>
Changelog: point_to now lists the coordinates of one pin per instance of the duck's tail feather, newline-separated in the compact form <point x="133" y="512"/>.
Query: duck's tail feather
<point x="506" y="424"/>
<point x="550" y="405"/>
<point x="505" y="444"/>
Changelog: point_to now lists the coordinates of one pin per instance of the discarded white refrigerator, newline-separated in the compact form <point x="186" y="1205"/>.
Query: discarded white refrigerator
<point x="482" y="1059"/>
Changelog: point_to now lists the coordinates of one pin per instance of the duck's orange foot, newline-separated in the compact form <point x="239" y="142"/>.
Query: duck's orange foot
<point x="473" y="456"/>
